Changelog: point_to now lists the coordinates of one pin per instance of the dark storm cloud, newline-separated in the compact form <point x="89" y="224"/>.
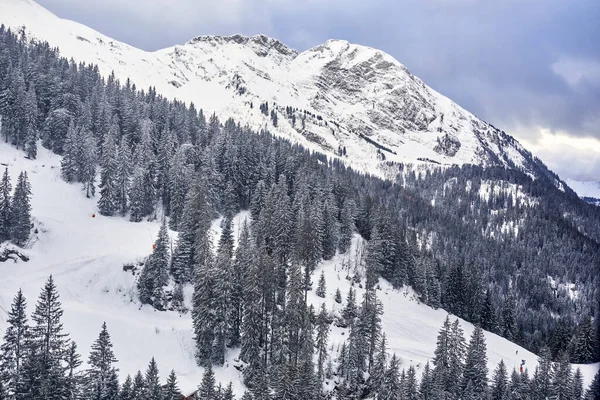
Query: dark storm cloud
<point x="523" y="66"/>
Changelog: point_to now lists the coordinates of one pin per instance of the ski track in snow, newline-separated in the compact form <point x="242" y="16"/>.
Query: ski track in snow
<point x="86" y="255"/>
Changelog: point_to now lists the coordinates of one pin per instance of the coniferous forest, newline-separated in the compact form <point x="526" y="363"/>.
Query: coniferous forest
<point x="152" y="158"/>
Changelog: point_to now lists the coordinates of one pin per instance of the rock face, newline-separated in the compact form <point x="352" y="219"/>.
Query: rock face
<point x="348" y="101"/>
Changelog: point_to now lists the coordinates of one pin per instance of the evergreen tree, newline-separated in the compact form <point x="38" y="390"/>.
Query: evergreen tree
<point x="155" y="276"/>
<point x="321" y="343"/>
<point x="499" y="382"/>
<point x="475" y="371"/>
<point x="31" y="117"/>
<point x="321" y="291"/>
<point x="338" y="296"/>
<point x="593" y="392"/>
<point x="543" y="376"/>
<point x="488" y="316"/>
<point x="49" y="342"/>
<point x="137" y="205"/>
<point x="508" y="317"/>
<point x="391" y="389"/>
<point x="107" y="204"/>
<point x="426" y="388"/>
<point x="139" y="390"/>
<point x="562" y="379"/>
<point x="123" y="177"/>
<point x="350" y="312"/>
<point x="577" y="386"/>
<point x="5" y="207"/>
<point x="73" y="383"/>
<point x="111" y="391"/>
<point x="346" y="225"/>
<point x="207" y="390"/>
<point x="172" y="390"/>
<point x="251" y="327"/>
<point x="127" y="389"/>
<point x="14" y="347"/>
<point x="410" y="387"/>
<point x="101" y="362"/>
<point x="378" y="370"/>
<point x="584" y="343"/>
<point x="153" y="389"/>
<point x="68" y="165"/>
<point x="21" y="211"/>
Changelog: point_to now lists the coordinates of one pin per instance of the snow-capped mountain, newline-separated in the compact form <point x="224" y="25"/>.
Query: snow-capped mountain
<point x="342" y="99"/>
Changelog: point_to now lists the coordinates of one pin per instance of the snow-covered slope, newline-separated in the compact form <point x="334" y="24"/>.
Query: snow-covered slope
<point x="86" y="256"/>
<point x="342" y="96"/>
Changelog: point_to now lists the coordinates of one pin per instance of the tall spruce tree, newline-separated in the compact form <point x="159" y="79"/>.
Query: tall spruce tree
<point x="49" y="342"/>
<point x="100" y="363"/>
<point x="107" y="204"/>
<point x="13" y="349"/>
<point x="152" y="386"/>
<point x="21" y="211"/>
<point x="475" y="371"/>
<point x="5" y="207"/>
<point x="155" y="274"/>
<point x="499" y="382"/>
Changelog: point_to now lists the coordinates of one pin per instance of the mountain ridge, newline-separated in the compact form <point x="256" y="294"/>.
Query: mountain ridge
<point x="350" y="102"/>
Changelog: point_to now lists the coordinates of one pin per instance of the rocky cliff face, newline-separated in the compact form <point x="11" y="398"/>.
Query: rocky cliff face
<point x="348" y="101"/>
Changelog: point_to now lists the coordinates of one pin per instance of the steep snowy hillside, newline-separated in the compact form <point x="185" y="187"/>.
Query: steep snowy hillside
<point x="344" y="100"/>
<point x="86" y="255"/>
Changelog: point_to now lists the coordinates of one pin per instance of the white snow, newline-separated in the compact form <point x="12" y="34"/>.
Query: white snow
<point x="86" y="255"/>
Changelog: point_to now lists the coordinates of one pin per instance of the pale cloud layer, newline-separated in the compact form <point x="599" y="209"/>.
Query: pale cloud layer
<point x="531" y="68"/>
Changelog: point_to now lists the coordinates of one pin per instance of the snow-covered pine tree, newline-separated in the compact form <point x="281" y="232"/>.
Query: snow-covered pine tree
<point x="338" y="296"/>
<point x="21" y="211"/>
<point x="321" y="287"/>
<point x="5" y="207"/>
<point x="203" y="311"/>
<point x="349" y="312"/>
<point x="73" y="384"/>
<point x="107" y="204"/>
<point x="127" y="389"/>
<point x="475" y="370"/>
<point x="155" y="274"/>
<point x="330" y="226"/>
<point x="321" y="340"/>
<point x="391" y="389"/>
<point x="86" y="162"/>
<point x="241" y="269"/>
<point x="251" y="324"/>
<point x="137" y="204"/>
<point x="178" y="184"/>
<point x="379" y="366"/>
<point x="499" y="382"/>
<point x="31" y="122"/>
<point x="411" y="390"/>
<point x="100" y="363"/>
<point x="207" y="390"/>
<point x="123" y="176"/>
<point x="69" y="167"/>
<point x="488" y="315"/>
<point x="593" y="392"/>
<point x="14" y="347"/>
<point x="139" y="388"/>
<point x="562" y="379"/>
<point x="347" y="227"/>
<point x="49" y="343"/>
<point x="509" y="328"/>
<point x="577" y="385"/>
<point x="152" y="386"/>
<point x="542" y="379"/>
<point x="171" y="391"/>
<point x="427" y="384"/>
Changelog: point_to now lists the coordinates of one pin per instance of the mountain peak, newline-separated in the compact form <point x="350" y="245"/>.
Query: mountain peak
<point x="262" y="44"/>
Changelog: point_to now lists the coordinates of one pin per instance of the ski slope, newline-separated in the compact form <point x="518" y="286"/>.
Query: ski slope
<point x="86" y="255"/>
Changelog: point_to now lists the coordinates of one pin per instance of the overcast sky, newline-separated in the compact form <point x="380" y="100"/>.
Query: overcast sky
<point x="531" y="68"/>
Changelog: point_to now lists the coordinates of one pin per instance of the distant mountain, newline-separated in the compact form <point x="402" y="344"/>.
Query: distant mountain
<point x="345" y="100"/>
<point x="588" y="191"/>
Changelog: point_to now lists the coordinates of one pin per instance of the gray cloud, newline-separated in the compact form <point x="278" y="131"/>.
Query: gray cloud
<point x="523" y="66"/>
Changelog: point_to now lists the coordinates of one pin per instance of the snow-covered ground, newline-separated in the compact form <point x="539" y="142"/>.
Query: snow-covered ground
<point x="86" y="256"/>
